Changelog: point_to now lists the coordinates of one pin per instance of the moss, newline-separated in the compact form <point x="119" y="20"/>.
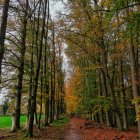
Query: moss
<point x="60" y="122"/>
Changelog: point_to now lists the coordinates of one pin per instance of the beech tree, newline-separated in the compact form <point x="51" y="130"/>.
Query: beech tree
<point x="37" y="70"/>
<point x="21" y="68"/>
<point x="3" y="31"/>
<point x="101" y="41"/>
<point x="97" y="35"/>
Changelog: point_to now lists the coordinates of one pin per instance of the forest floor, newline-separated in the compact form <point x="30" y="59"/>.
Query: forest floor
<point x="75" y="129"/>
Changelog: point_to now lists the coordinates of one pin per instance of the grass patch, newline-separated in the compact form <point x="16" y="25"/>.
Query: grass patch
<point x="6" y="121"/>
<point x="60" y="122"/>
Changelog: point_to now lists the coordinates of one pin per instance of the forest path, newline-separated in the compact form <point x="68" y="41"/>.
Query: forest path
<point x="80" y="129"/>
<point x="73" y="131"/>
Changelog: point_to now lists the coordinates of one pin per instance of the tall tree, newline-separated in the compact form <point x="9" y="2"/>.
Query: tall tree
<point x="21" y="68"/>
<point x="37" y="71"/>
<point x="91" y="33"/>
<point x="3" y="31"/>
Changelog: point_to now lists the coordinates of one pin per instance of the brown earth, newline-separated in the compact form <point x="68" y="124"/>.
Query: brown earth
<point x="83" y="130"/>
<point x="76" y="129"/>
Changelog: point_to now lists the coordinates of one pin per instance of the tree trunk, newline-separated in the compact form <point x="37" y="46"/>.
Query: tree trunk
<point x="46" y="74"/>
<point x="3" y="31"/>
<point x="47" y="107"/>
<point x="134" y="74"/>
<point x="52" y="96"/>
<point x="35" y="85"/>
<point x="21" y="70"/>
<point x="30" y="81"/>
<point x="103" y="78"/>
<point x="125" y="122"/>
<point x="134" y="80"/>
<point x="100" y="94"/>
<point x="41" y="96"/>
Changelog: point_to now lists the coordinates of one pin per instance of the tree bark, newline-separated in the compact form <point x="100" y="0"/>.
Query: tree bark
<point x="134" y="79"/>
<point x="21" y="69"/>
<point x="35" y="85"/>
<point x="41" y="97"/>
<point x="123" y="96"/>
<point x="3" y="31"/>
<point x="46" y="74"/>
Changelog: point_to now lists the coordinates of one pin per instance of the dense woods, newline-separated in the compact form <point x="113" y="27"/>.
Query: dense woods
<point x="32" y="70"/>
<point x="103" y="48"/>
<point x="100" y="41"/>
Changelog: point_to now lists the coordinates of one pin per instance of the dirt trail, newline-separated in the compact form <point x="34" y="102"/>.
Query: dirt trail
<point x="74" y="132"/>
<point x="76" y="129"/>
